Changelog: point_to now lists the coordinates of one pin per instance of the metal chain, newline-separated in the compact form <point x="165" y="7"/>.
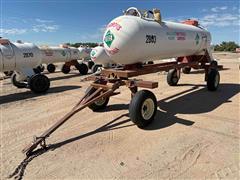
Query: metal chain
<point x="18" y="173"/>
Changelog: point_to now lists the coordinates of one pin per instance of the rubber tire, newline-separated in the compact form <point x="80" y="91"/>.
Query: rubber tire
<point x="95" y="67"/>
<point x="90" y="64"/>
<point x="94" y="107"/>
<point x="214" y="63"/>
<point x="136" y="105"/>
<point x="212" y="74"/>
<point x="170" y="77"/>
<point x="39" y="69"/>
<point x="42" y="68"/>
<point x="150" y="62"/>
<point x="51" y="68"/>
<point x="16" y="83"/>
<point x="8" y="73"/>
<point x="36" y="70"/>
<point x="186" y="70"/>
<point x="82" y="68"/>
<point x="65" y="69"/>
<point x="39" y="83"/>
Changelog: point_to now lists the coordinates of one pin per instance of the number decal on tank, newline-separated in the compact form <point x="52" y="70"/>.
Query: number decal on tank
<point x="27" y="55"/>
<point x="151" y="39"/>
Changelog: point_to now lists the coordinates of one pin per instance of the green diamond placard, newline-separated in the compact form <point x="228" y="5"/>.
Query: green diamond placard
<point x="63" y="53"/>
<point x="109" y="37"/>
<point x="197" y="39"/>
<point x="93" y="53"/>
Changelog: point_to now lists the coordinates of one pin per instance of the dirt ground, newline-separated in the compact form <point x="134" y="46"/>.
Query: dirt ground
<point x="195" y="134"/>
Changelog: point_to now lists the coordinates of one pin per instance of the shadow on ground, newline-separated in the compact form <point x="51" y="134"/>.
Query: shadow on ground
<point x="64" y="77"/>
<point x="202" y="71"/>
<point x="195" y="100"/>
<point x="192" y="101"/>
<point x="19" y="171"/>
<point x="28" y="94"/>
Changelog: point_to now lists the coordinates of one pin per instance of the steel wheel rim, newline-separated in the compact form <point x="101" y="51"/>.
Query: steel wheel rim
<point x="100" y="102"/>
<point x="147" y="109"/>
<point x="175" y="77"/>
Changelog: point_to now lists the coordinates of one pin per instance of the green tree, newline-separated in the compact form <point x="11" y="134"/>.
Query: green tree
<point x="226" y="46"/>
<point x="90" y="44"/>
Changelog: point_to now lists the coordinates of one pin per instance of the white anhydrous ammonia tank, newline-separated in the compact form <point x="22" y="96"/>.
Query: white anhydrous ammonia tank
<point x="132" y="38"/>
<point x="16" y="56"/>
<point x="99" y="56"/>
<point x="84" y="52"/>
<point x="59" y="54"/>
<point x="19" y="55"/>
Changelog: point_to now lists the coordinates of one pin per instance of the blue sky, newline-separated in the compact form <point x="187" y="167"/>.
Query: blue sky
<point x="54" y="22"/>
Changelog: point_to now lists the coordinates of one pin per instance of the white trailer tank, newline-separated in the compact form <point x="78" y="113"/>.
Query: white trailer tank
<point x="99" y="56"/>
<point x="136" y="37"/>
<point x="59" y="54"/>
<point x="84" y="52"/>
<point x="16" y="56"/>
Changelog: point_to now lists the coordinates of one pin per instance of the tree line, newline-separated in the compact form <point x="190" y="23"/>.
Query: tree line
<point x="226" y="46"/>
<point x="89" y="44"/>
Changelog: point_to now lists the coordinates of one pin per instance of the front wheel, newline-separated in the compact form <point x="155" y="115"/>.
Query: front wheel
<point x="142" y="108"/>
<point x="39" y="83"/>
<point x="82" y="68"/>
<point x="99" y="104"/>
<point x="17" y="83"/>
<point x="65" y="69"/>
<point x="8" y="73"/>
<point x="213" y="79"/>
<point x="90" y="64"/>
<point x="95" y="67"/>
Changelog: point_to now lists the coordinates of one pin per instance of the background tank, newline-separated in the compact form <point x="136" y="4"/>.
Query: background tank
<point x="84" y="52"/>
<point x="136" y="37"/>
<point x="99" y="56"/>
<point x="15" y="56"/>
<point x="59" y="54"/>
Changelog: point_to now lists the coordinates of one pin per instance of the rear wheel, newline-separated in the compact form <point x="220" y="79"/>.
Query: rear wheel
<point x="39" y="83"/>
<point x="65" y="69"/>
<point x="173" y="77"/>
<point x="150" y="62"/>
<point x="142" y="108"/>
<point x="51" y="68"/>
<point x="186" y="70"/>
<point x="213" y="79"/>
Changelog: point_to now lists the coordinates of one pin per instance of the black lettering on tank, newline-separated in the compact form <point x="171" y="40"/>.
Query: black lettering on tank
<point x="151" y="39"/>
<point x="28" y="55"/>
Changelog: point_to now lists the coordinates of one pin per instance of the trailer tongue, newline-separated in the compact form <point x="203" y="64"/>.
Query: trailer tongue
<point x="87" y="100"/>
